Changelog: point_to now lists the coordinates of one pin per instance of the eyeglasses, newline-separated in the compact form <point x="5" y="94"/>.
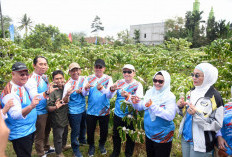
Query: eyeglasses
<point x="98" y="67"/>
<point x="129" y="72"/>
<point x="195" y="75"/>
<point x="23" y="74"/>
<point x="159" y="81"/>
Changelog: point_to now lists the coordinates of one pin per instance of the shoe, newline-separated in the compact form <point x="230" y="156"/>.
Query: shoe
<point x="83" y="143"/>
<point x="45" y="155"/>
<point x="102" y="149"/>
<point x="91" y="151"/>
<point x="67" y="147"/>
<point x="51" y="150"/>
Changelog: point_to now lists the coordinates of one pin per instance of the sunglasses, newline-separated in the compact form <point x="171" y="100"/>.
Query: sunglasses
<point x="195" y="75"/>
<point x="159" y="81"/>
<point x="129" y="72"/>
<point x="98" y="67"/>
<point x="23" y="74"/>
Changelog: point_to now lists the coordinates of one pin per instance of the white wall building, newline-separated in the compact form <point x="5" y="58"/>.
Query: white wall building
<point x="150" y="34"/>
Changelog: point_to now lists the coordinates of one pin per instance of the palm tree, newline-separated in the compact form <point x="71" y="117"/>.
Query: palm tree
<point x="25" y="23"/>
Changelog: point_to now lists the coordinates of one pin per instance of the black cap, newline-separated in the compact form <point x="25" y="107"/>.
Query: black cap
<point x="100" y="62"/>
<point x="18" y="66"/>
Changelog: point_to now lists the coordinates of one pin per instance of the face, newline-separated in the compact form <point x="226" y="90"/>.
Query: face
<point x="198" y="77"/>
<point x="158" y="82"/>
<point x="59" y="80"/>
<point x="99" y="70"/>
<point x="20" y="77"/>
<point x="75" y="73"/>
<point x="41" y="66"/>
<point x="128" y="75"/>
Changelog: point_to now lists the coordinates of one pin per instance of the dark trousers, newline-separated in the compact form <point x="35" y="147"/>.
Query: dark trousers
<point x="91" y="126"/>
<point x="65" y="136"/>
<point x="48" y="128"/>
<point x="58" y="138"/>
<point x="117" y="140"/>
<point x="75" y="121"/>
<point x="158" y="149"/>
<point x="23" y="146"/>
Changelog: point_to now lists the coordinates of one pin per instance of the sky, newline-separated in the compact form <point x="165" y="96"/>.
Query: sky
<point x="116" y="15"/>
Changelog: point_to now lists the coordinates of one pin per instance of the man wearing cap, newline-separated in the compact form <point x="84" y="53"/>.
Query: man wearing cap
<point x="22" y="115"/>
<point x="38" y="84"/>
<point x="58" y="112"/>
<point x="96" y="86"/>
<point x="77" y="107"/>
<point x="124" y="88"/>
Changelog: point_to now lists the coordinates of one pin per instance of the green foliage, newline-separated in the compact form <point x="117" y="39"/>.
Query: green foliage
<point x="48" y="38"/>
<point x="177" y="44"/>
<point x="137" y="36"/>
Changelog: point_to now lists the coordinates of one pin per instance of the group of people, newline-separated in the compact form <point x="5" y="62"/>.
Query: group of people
<point x="31" y="106"/>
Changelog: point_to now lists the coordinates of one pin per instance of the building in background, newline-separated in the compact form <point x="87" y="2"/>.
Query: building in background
<point x="150" y="34"/>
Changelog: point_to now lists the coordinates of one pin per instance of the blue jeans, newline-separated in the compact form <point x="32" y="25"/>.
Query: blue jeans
<point x="78" y="129"/>
<point x="188" y="151"/>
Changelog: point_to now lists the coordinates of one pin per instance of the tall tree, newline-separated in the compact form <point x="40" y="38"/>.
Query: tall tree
<point x="25" y="24"/>
<point x="97" y="25"/>
<point x="211" y="28"/>
<point x="137" y="36"/>
<point x="5" y="23"/>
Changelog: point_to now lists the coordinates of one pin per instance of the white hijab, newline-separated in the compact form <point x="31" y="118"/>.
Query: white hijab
<point x="210" y="77"/>
<point x="158" y="96"/>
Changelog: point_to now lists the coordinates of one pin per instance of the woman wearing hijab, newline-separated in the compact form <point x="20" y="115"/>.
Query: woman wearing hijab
<point x="204" y="115"/>
<point x="159" y="104"/>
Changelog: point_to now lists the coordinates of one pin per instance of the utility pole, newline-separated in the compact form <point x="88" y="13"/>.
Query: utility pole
<point x="3" y="32"/>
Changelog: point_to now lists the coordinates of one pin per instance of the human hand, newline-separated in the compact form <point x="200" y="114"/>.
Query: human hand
<point x="51" y="88"/>
<point x="99" y="86"/>
<point x="114" y="87"/>
<point x="59" y="103"/>
<point x="192" y="109"/>
<point x="135" y="99"/>
<point x="87" y="86"/>
<point x="181" y="103"/>
<point x="7" y="106"/>
<point x="124" y="93"/>
<point x="79" y="91"/>
<point x="149" y="103"/>
<point x="70" y="90"/>
<point x="35" y="101"/>
<point x="222" y="143"/>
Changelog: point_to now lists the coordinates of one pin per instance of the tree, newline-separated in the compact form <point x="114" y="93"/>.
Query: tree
<point x="223" y="29"/>
<point x="97" y="25"/>
<point x="6" y="23"/>
<point x="174" y="28"/>
<point x="123" y="38"/>
<point x="211" y="29"/>
<point x="137" y="36"/>
<point x="46" y="37"/>
<point x="76" y="37"/>
<point x="25" y="24"/>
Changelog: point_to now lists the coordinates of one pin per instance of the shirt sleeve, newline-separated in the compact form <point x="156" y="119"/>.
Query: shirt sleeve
<point x="139" y="91"/>
<point x="66" y="87"/>
<point x="168" y="112"/>
<point x="84" y="92"/>
<point x="15" y="111"/>
<point x="31" y="87"/>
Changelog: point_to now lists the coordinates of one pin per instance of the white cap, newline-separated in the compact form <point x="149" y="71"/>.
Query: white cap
<point x="128" y="66"/>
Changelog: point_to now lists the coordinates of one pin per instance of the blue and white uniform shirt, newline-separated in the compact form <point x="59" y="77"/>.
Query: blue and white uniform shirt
<point x="37" y="85"/>
<point x="76" y="102"/>
<point x="19" y="126"/>
<point x="98" y="101"/>
<point x="133" y="88"/>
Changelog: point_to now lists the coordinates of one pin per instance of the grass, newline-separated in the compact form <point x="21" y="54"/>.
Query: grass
<point x="139" y="151"/>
